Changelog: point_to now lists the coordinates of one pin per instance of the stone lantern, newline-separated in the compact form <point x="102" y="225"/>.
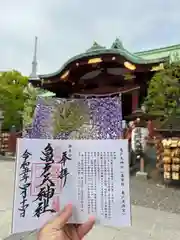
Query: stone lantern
<point x="139" y="137"/>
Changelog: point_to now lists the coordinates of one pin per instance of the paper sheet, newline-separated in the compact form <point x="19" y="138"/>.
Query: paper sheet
<point x="93" y="175"/>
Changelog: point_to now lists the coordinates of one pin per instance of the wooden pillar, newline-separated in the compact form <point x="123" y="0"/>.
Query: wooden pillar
<point x="141" y="164"/>
<point x="150" y="128"/>
<point x="135" y="100"/>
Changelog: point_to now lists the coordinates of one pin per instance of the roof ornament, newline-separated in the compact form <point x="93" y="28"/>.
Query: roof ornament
<point x="117" y="44"/>
<point x="95" y="44"/>
<point x="33" y="75"/>
<point x="95" y="47"/>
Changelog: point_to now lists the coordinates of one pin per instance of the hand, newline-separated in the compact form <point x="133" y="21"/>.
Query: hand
<point x="58" y="229"/>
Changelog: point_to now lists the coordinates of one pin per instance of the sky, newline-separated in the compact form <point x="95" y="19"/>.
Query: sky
<point x="69" y="27"/>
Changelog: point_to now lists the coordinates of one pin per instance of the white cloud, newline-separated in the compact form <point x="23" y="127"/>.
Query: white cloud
<point x="69" y="27"/>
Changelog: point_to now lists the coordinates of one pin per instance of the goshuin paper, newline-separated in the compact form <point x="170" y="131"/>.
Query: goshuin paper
<point x="93" y="175"/>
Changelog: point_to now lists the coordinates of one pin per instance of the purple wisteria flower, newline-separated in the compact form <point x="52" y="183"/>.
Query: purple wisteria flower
<point x="105" y="119"/>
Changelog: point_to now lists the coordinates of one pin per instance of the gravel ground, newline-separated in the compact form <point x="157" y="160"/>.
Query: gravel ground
<point x="153" y="194"/>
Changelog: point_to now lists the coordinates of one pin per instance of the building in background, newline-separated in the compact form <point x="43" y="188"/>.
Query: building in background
<point x="102" y="71"/>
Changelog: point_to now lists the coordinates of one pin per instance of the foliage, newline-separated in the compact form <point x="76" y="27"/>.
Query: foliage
<point x="163" y="91"/>
<point x="128" y="76"/>
<point x="29" y="105"/>
<point x="68" y="117"/>
<point x="12" y="97"/>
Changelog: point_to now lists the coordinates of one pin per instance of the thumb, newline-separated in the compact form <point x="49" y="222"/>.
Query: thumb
<point x="63" y="217"/>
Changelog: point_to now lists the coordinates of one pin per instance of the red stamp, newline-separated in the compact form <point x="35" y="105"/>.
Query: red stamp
<point x="37" y="178"/>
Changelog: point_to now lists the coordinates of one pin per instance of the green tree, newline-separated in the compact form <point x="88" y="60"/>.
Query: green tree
<point x="29" y="105"/>
<point x="163" y="90"/>
<point x="12" y="97"/>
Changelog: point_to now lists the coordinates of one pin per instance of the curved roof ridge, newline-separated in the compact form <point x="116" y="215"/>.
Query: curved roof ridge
<point x="95" y="47"/>
<point x="97" y="50"/>
<point x="118" y="45"/>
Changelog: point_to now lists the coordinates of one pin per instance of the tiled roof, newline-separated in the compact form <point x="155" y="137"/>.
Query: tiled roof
<point x="117" y="49"/>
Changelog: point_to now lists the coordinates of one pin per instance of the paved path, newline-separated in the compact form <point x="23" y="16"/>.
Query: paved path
<point x="6" y="196"/>
<point x="147" y="223"/>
